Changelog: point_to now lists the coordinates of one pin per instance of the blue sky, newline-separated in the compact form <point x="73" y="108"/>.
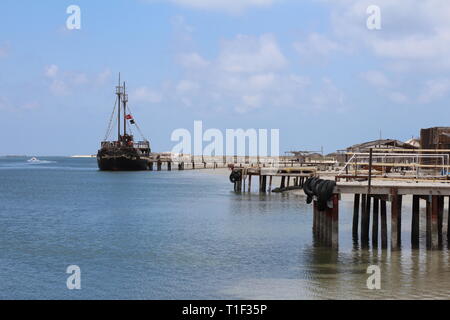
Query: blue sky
<point x="310" y="68"/>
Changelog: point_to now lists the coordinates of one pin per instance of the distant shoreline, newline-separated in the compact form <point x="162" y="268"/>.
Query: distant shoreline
<point x="83" y="156"/>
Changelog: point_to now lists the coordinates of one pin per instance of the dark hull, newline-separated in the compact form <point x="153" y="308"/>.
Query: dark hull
<point x="122" y="164"/>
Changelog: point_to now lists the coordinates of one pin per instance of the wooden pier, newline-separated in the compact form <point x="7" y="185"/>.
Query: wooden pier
<point x="291" y="178"/>
<point x="372" y="205"/>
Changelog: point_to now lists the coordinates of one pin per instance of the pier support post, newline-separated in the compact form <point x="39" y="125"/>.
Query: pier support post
<point x="263" y="184"/>
<point x="238" y="186"/>
<point x="448" y="221"/>
<point x="375" y="220"/>
<point x="434" y="222"/>
<point x="335" y="222"/>
<point x="250" y="183"/>
<point x="158" y="165"/>
<point x="395" y="208"/>
<point x="356" y="216"/>
<point x="365" y="222"/>
<point x="169" y="166"/>
<point x="150" y="166"/>
<point x="322" y="222"/>
<point x="384" y="237"/>
<point x="428" y="222"/>
<point x="440" y="218"/>
<point x="415" y="222"/>
<point x="399" y="224"/>
<point x="270" y="184"/>
<point x="282" y="185"/>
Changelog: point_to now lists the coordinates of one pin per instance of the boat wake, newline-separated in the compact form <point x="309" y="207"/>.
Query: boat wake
<point x="37" y="161"/>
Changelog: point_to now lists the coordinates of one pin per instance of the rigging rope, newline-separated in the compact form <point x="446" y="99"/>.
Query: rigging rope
<point x="109" y="129"/>
<point x="135" y="123"/>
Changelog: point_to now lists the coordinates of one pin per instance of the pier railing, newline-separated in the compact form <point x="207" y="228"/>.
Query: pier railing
<point x="396" y="166"/>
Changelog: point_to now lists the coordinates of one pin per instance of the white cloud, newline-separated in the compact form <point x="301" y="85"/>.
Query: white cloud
<point x="412" y="30"/>
<point x="4" y="51"/>
<point x="435" y="90"/>
<point x="398" y="97"/>
<point x="4" y="104"/>
<point x="250" y="73"/>
<point x="251" y="54"/>
<point x="377" y="79"/>
<point x="228" y="6"/>
<point x="145" y="94"/>
<point x="186" y="87"/>
<point x="193" y="60"/>
<point x="51" y="71"/>
<point x="317" y="45"/>
<point x="59" y="88"/>
<point x="63" y="82"/>
<point x="103" y="77"/>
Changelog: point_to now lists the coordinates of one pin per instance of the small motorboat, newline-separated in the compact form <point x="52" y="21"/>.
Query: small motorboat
<point x="33" y="160"/>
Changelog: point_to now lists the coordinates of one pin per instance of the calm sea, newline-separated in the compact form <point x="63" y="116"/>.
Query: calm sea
<point x="183" y="235"/>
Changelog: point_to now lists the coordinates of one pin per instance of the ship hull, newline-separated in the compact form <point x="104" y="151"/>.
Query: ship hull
<point x="122" y="164"/>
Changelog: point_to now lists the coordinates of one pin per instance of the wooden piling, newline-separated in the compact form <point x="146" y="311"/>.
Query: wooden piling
<point x="249" y="183"/>
<point x="169" y="166"/>
<point x="363" y="208"/>
<point x="335" y="222"/>
<point x="384" y="231"/>
<point x="283" y="181"/>
<point x="365" y="222"/>
<point x="395" y="208"/>
<point x="440" y="218"/>
<point x="356" y="216"/>
<point x="434" y="222"/>
<point x="375" y="220"/>
<point x="315" y="217"/>
<point x="270" y="184"/>
<point x="448" y="221"/>
<point x="150" y="166"/>
<point x="415" y="222"/>
<point x="428" y="222"/>
<point x="399" y="219"/>
<point x="158" y="165"/>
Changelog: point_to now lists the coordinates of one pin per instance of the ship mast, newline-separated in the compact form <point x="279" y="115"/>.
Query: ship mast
<point x="119" y="99"/>
<point x="125" y="100"/>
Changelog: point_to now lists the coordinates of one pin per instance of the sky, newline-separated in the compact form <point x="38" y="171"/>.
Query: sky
<point x="310" y="68"/>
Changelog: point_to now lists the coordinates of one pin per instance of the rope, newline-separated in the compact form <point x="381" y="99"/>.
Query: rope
<point x="109" y="129"/>
<point x="137" y="126"/>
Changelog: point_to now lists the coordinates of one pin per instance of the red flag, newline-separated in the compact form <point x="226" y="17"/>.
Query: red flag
<point x="129" y="117"/>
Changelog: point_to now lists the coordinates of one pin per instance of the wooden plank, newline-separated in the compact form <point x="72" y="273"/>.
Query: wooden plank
<point x="440" y="189"/>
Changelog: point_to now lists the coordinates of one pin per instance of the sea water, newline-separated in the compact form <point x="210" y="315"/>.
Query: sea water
<point x="184" y="235"/>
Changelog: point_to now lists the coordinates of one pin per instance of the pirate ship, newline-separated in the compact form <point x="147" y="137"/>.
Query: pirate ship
<point x="123" y="154"/>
